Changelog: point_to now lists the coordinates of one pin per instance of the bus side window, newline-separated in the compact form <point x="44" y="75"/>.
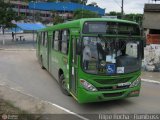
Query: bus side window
<point x="46" y="39"/>
<point x="60" y="41"/>
<point x="39" y="38"/>
<point x="53" y="39"/>
<point x="65" y="40"/>
<point x="43" y="38"/>
<point x="56" y="36"/>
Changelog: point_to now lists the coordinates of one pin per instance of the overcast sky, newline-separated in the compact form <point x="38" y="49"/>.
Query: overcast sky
<point x="130" y="6"/>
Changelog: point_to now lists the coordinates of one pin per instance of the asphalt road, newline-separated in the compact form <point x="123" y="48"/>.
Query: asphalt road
<point x="21" y="70"/>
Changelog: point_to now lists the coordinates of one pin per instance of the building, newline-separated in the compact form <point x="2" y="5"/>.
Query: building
<point x="63" y="9"/>
<point x="20" y="7"/>
<point x="44" y="11"/>
<point x="151" y="23"/>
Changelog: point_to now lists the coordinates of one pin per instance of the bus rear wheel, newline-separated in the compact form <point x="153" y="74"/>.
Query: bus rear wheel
<point x="63" y="85"/>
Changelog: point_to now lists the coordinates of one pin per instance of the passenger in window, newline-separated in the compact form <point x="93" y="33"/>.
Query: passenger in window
<point x="100" y="51"/>
<point x="64" y="47"/>
<point x="86" y="55"/>
<point x="119" y="53"/>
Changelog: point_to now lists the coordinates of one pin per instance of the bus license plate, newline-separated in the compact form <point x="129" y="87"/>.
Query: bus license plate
<point x="124" y="84"/>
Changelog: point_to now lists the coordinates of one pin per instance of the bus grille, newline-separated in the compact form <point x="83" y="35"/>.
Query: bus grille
<point x="113" y="81"/>
<point x="113" y="94"/>
<point x="112" y="88"/>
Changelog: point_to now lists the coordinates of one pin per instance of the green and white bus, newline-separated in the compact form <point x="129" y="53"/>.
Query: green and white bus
<point x="93" y="59"/>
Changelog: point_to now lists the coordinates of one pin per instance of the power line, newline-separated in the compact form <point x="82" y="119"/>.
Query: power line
<point x="121" y="6"/>
<point x="117" y="3"/>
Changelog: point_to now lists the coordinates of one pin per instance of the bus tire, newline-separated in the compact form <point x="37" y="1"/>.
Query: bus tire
<point x="41" y="63"/>
<point x="62" y="83"/>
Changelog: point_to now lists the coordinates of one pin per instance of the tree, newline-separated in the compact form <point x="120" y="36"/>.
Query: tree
<point x="94" y="4"/>
<point x="57" y="19"/>
<point x="37" y="16"/>
<point x="134" y="17"/>
<point x="131" y="17"/>
<point x="113" y="13"/>
<point x="84" y="14"/>
<point x="7" y="15"/>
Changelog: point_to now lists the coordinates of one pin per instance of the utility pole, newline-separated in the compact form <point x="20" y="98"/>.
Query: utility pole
<point x="122" y="11"/>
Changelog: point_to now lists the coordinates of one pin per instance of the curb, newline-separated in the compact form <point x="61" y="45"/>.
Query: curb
<point x="27" y="102"/>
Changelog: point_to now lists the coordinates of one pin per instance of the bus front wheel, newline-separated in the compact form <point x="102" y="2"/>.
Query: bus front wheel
<point x="63" y="85"/>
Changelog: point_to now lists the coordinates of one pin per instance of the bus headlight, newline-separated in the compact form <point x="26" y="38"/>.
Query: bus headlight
<point x="87" y="85"/>
<point x="136" y="82"/>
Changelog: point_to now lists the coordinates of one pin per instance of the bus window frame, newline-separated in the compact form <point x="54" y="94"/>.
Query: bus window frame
<point x="43" y="38"/>
<point x="56" y="49"/>
<point x="39" y="38"/>
<point x="60" y="40"/>
<point x="53" y="39"/>
<point x="46" y="39"/>
<point x="67" y="40"/>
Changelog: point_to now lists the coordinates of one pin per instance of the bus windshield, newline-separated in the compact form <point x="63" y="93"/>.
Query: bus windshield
<point x="103" y="55"/>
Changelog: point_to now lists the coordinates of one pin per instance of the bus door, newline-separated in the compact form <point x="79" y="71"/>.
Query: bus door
<point x="74" y="67"/>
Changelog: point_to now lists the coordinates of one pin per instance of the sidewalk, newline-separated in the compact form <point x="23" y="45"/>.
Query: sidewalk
<point x="33" y="106"/>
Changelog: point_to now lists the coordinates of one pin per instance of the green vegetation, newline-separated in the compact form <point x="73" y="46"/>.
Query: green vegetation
<point x="84" y="14"/>
<point x="57" y="19"/>
<point x="134" y="17"/>
<point x="131" y="17"/>
<point x="7" y="15"/>
<point x="76" y="15"/>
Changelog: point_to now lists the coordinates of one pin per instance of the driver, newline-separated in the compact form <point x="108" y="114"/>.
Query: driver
<point x="86" y="54"/>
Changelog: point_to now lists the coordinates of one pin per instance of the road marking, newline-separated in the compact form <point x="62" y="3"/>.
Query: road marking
<point x="53" y="104"/>
<point x="151" y="81"/>
<point x="66" y="110"/>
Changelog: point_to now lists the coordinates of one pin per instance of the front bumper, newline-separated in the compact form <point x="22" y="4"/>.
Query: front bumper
<point x="85" y="96"/>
